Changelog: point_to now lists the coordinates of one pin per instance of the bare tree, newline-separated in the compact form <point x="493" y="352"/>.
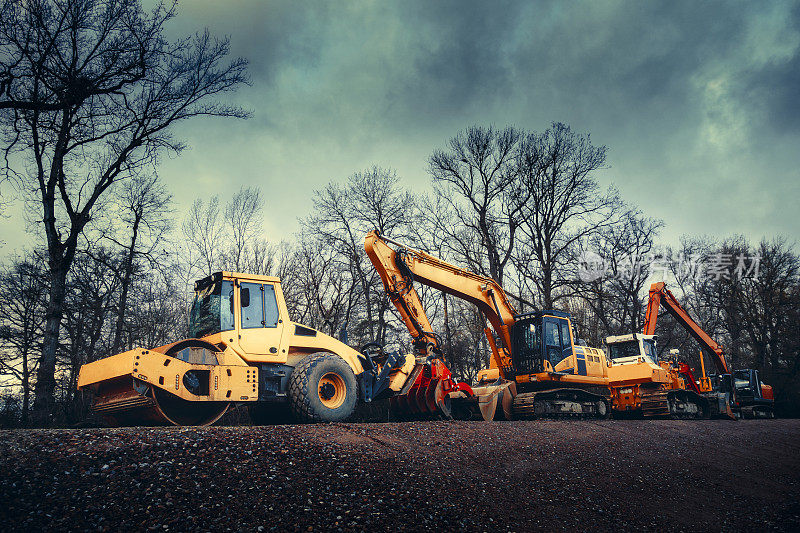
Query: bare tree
<point x="23" y="287"/>
<point x="562" y="204"/>
<point x="477" y="180"/>
<point x="770" y="303"/>
<point x="145" y="217"/>
<point x="617" y="295"/>
<point x="325" y="294"/>
<point x="159" y="314"/>
<point x="92" y="88"/>
<point x="248" y="251"/>
<point x="726" y="299"/>
<point x="89" y="308"/>
<point x="203" y="233"/>
<point x="229" y="238"/>
<point x="343" y="214"/>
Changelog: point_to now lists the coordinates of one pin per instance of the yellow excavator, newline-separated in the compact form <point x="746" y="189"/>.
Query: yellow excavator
<point x="537" y="367"/>
<point x="244" y="349"/>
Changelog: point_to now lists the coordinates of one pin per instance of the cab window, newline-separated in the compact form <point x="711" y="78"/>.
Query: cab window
<point x="251" y="297"/>
<point x="270" y="307"/>
<point x="552" y="335"/>
<point x="528" y="343"/>
<point x="650" y="350"/>
<point x="566" y="344"/>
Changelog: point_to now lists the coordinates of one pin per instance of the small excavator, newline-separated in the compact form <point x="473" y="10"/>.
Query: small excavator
<point x="643" y="385"/>
<point x="733" y="394"/>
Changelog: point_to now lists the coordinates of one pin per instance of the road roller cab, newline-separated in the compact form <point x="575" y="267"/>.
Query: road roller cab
<point x="243" y="348"/>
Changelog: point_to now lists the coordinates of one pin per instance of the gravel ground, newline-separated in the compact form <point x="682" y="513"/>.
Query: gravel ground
<point x="472" y="476"/>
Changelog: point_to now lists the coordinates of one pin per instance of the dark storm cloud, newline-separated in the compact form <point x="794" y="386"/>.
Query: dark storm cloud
<point x="689" y="96"/>
<point x="415" y="64"/>
<point x="697" y="101"/>
<point x="775" y="87"/>
<point x="463" y="59"/>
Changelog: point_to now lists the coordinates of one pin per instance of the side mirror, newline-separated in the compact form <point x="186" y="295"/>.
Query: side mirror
<point x="245" y="296"/>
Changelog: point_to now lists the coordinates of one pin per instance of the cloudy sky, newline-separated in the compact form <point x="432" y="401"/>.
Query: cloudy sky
<point x="698" y="102"/>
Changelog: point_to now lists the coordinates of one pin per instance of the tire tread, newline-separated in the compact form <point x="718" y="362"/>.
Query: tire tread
<point x="299" y="390"/>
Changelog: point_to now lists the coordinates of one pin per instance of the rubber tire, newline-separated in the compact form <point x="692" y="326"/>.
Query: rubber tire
<point x="304" y="384"/>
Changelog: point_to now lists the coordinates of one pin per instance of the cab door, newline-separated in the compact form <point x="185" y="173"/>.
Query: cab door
<point x="552" y="341"/>
<point x="260" y="326"/>
<point x="558" y="344"/>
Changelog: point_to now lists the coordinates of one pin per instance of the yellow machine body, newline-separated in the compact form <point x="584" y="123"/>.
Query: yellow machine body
<point x="641" y="383"/>
<point x="224" y="366"/>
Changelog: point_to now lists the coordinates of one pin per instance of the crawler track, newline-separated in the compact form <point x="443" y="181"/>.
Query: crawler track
<point x="561" y="403"/>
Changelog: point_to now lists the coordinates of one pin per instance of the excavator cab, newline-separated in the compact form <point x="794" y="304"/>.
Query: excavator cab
<point x="754" y="398"/>
<point x="544" y="342"/>
<point x="632" y="348"/>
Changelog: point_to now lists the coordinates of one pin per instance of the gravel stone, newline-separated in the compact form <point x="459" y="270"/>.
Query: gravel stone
<point x="618" y="475"/>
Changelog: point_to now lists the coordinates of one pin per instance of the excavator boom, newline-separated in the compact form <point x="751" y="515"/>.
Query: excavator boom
<point x="660" y="294"/>
<point x="400" y="268"/>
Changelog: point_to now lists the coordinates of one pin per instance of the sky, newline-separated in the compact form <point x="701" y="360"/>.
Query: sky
<point x="697" y="102"/>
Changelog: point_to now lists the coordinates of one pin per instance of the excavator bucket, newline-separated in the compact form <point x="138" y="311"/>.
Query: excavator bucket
<point x="426" y="398"/>
<point x="495" y="401"/>
<point x="427" y="393"/>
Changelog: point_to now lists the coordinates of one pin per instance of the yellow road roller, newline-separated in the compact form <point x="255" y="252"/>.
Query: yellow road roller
<point x="244" y="349"/>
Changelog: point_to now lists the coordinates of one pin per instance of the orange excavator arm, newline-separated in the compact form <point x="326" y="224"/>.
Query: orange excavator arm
<point x="660" y="294"/>
<point x="398" y="270"/>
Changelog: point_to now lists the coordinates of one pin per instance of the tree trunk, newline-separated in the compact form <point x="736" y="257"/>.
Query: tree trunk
<point x="26" y="388"/>
<point x="44" y="392"/>
<point x="547" y="288"/>
<point x="447" y="329"/>
<point x="126" y="281"/>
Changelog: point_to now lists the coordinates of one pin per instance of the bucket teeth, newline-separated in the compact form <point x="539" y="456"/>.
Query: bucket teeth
<point x="426" y="394"/>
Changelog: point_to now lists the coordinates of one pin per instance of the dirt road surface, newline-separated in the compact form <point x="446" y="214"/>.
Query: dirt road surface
<point x="468" y="476"/>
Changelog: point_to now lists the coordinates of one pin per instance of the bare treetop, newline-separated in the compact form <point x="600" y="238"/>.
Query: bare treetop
<point x="88" y="92"/>
<point x="477" y="178"/>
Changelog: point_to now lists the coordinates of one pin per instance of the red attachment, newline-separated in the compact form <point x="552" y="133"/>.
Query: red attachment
<point x="687" y="374"/>
<point x="429" y="394"/>
<point x="766" y="392"/>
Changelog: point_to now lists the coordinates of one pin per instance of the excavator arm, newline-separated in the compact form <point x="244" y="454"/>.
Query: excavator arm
<point x="660" y="294"/>
<point x="400" y="268"/>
